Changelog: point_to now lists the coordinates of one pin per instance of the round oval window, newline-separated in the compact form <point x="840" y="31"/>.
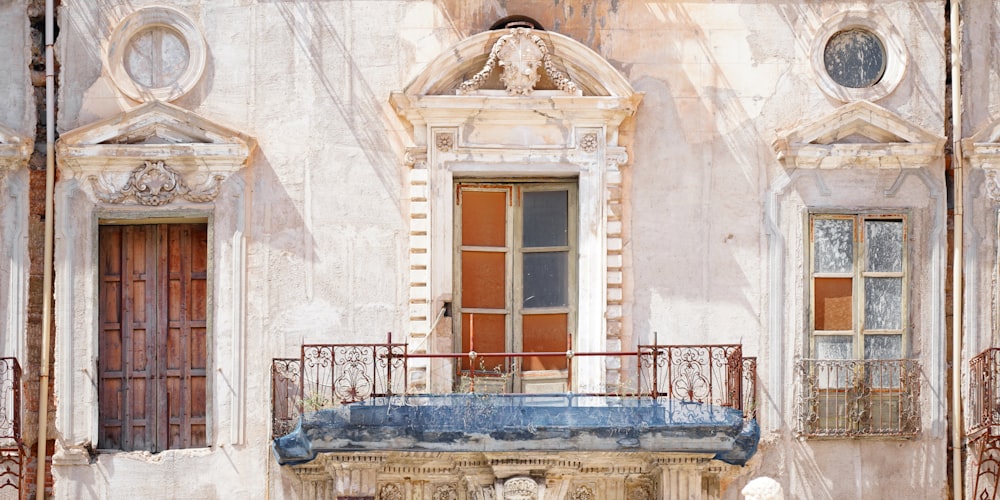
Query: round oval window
<point x="156" y="57"/>
<point x="855" y="58"/>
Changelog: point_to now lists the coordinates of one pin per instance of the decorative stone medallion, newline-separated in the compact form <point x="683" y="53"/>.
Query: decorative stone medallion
<point x="156" y="53"/>
<point x="445" y="492"/>
<point x="520" y="53"/>
<point x="520" y="488"/>
<point x="583" y="493"/>
<point x="390" y="491"/>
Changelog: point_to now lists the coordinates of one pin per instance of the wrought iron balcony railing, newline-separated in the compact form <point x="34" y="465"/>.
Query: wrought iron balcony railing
<point x="332" y="374"/>
<point x="11" y="446"/>
<point x="869" y="397"/>
<point x="984" y="391"/>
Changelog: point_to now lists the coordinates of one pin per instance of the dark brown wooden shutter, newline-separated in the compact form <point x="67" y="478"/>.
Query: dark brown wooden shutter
<point x="152" y="356"/>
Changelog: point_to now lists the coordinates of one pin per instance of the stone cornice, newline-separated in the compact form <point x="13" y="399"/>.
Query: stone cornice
<point x="153" y="131"/>
<point x="859" y="135"/>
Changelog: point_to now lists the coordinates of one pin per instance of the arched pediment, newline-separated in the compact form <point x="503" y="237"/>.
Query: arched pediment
<point x="591" y="73"/>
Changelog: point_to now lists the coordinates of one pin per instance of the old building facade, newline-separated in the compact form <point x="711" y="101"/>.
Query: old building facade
<point x="301" y="248"/>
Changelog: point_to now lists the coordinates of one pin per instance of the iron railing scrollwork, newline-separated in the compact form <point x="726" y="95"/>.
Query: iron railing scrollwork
<point x="984" y="422"/>
<point x="327" y="375"/>
<point x="12" y="451"/>
<point x="867" y="397"/>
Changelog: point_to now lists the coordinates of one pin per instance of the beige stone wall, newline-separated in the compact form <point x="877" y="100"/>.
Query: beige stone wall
<point x="325" y="203"/>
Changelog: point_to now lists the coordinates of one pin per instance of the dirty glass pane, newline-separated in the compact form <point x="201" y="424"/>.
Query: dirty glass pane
<point x="883" y="374"/>
<point x="546" y="278"/>
<point x="546" y="215"/>
<point x="885" y="245"/>
<point x="834" y="347"/>
<point x="833" y="245"/>
<point x="833" y="375"/>
<point x="883" y="303"/>
<point x="855" y="58"/>
<point x="883" y="346"/>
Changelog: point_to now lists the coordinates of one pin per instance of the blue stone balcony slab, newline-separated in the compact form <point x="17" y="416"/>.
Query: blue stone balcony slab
<point x="513" y="422"/>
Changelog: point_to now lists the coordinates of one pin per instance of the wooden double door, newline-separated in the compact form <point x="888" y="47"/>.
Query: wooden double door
<point x="152" y="360"/>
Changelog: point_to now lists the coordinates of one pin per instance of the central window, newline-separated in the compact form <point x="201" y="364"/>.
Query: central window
<point x="515" y="281"/>
<point x="859" y="381"/>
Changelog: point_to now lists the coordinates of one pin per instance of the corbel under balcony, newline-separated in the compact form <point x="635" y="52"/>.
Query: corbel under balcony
<point x="859" y="135"/>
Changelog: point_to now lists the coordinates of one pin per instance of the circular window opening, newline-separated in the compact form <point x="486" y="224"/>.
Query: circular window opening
<point x="855" y="58"/>
<point x="516" y="21"/>
<point x="156" y="57"/>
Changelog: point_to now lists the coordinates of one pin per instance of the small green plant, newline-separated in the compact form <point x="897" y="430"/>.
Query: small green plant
<point x="315" y="402"/>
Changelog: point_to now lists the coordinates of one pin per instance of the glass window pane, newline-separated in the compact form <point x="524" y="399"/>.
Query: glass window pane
<point x="834" y="347"/>
<point x="833" y="245"/>
<point x="484" y="218"/>
<point x="883" y="374"/>
<point x="545" y="333"/>
<point x="546" y="279"/>
<point x="883" y="346"/>
<point x="546" y="218"/>
<point x="834" y="303"/>
<point x="883" y="303"/>
<point x="885" y="245"/>
<point x="484" y="278"/>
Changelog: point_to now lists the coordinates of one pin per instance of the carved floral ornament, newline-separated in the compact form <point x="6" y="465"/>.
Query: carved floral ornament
<point x="391" y="491"/>
<point x="154" y="184"/>
<point x="520" y="488"/>
<point x="520" y="53"/>
<point x="445" y="492"/>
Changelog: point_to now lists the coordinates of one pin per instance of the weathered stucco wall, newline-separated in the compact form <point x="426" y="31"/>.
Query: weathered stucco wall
<point x="325" y="209"/>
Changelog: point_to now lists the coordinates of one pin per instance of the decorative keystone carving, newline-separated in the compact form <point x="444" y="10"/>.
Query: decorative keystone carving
<point x="583" y="493"/>
<point x="588" y="142"/>
<point x="639" y="492"/>
<point x="520" y="53"/>
<point x="444" y="142"/>
<point x="391" y="491"/>
<point x="155" y="184"/>
<point x="445" y="492"/>
<point x="520" y="488"/>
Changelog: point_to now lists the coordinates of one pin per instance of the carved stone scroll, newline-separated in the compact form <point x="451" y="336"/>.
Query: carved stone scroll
<point x="155" y="184"/>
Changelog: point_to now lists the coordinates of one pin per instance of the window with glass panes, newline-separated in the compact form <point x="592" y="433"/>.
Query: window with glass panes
<point x="515" y="273"/>
<point x="859" y="282"/>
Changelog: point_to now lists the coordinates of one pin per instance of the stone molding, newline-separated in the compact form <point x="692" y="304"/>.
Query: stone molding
<point x="14" y="149"/>
<point x="982" y="151"/>
<point x="158" y="140"/>
<point x="512" y="475"/>
<point x="859" y="135"/>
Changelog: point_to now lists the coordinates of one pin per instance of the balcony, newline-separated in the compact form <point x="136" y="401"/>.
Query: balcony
<point x="357" y="397"/>
<point x="869" y="397"/>
<point x="11" y="446"/>
<point x="984" y="422"/>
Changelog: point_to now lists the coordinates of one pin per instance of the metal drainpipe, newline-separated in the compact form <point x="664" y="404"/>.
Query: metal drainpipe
<point x="958" y="268"/>
<point x="50" y="178"/>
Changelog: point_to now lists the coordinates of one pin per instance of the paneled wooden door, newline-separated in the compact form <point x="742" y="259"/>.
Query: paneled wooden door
<point x="153" y="284"/>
